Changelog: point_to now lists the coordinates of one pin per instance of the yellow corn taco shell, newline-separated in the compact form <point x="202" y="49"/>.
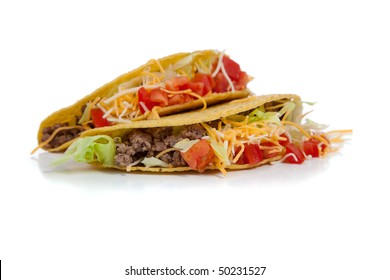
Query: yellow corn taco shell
<point x="226" y="114"/>
<point x="150" y="74"/>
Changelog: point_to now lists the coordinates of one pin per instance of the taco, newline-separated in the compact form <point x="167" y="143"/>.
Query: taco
<point x="177" y="83"/>
<point x="239" y="134"/>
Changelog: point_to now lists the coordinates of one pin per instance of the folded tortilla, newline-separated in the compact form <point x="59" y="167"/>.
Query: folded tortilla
<point x="120" y="103"/>
<point x="240" y="134"/>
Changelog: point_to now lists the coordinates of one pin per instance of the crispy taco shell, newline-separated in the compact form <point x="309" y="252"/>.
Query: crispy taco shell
<point x="71" y="114"/>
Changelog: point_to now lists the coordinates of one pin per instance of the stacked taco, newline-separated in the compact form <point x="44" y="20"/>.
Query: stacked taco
<point x="170" y="85"/>
<point x="188" y="111"/>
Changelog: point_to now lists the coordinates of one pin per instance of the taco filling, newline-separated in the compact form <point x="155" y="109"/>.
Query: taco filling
<point x="157" y="91"/>
<point x="252" y="138"/>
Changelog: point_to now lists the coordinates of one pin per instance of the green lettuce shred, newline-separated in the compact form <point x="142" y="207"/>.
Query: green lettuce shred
<point x="287" y="107"/>
<point x="152" y="161"/>
<point x="99" y="148"/>
<point x="220" y="151"/>
<point x="185" y="144"/>
<point x="259" y="115"/>
<point x="86" y="114"/>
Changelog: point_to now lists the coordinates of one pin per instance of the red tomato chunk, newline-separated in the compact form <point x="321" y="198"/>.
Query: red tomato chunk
<point x="292" y="148"/>
<point x="199" y="155"/>
<point x="251" y="155"/>
<point x="97" y="118"/>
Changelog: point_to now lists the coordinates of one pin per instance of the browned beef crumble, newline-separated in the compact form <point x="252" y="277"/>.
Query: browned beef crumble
<point x="61" y="137"/>
<point x="149" y="142"/>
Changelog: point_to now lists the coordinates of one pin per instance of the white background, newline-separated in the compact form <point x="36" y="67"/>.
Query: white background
<point x="325" y="219"/>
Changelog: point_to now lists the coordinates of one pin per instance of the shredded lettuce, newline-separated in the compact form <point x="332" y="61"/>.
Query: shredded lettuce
<point x="312" y="125"/>
<point x="86" y="114"/>
<point x="308" y="103"/>
<point x="99" y="148"/>
<point x="258" y="115"/>
<point x="220" y="151"/>
<point x="152" y="161"/>
<point x="287" y="107"/>
<point x="185" y="61"/>
<point x="169" y="74"/>
<point x="185" y="144"/>
<point x="206" y="65"/>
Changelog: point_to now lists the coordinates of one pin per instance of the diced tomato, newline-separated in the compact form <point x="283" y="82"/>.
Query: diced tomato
<point x="207" y="81"/>
<point x="242" y="81"/>
<point x="312" y="147"/>
<point x="178" y="99"/>
<point x="158" y="96"/>
<point x="292" y="148"/>
<point x="196" y="87"/>
<point x="241" y="159"/>
<point x="97" y="118"/>
<point x="232" y="68"/>
<point x="268" y="153"/>
<point x="176" y="83"/>
<point x="144" y="96"/>
<point x="251" y="155"/>
<point x="199" y="155"/>
<point x="284" y="142"/>
<point x="155" y="97"/>
<point x="221" y="84"/>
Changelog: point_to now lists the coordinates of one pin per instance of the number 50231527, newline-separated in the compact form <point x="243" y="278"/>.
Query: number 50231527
<point x="241" y="270"/>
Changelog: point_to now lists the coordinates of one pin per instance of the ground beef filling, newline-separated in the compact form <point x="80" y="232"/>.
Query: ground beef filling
<point x="61" y="137"/>
<point x="149" y="142"/>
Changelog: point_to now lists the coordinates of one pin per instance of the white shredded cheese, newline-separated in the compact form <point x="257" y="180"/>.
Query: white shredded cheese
<point x="128" y="168"/>
<point x="142" y="104"/>
<point x="108" y="113"/>
<point x="285" y="156"/>
<point x="130" y="90"/>
<point x="117" y="120"/>
<point x="123" y="112"/>
<point x="227" y="78"/>
<point x="219" y="64"/>
<point x="127" y="104"/>
<point x="101" y="108"/>
<point x="219" y="133"/>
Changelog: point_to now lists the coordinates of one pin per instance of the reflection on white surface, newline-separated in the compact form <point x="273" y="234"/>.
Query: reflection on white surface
<point x="86" y="176"/>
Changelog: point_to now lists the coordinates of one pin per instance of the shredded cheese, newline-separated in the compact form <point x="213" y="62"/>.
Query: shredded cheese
<point x="284" y="158"/>
<point x="142" y="104"/>
<point x="131" y="90"/>
<point x="108" y="113"/>
<point x="340" y="131"/>
<point x="155" y="76"/>
<point x="166" y="151"/>
<point x="128" y="168"/>
<point x="298" y="127"/>
<point x="221" y="67"/>
<point x="231" y="86"/>
<point x="124" y="106"/>
<point x="219" y="165"/>
<point x="221" y="54"/>
<point x="158" y="64"/>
